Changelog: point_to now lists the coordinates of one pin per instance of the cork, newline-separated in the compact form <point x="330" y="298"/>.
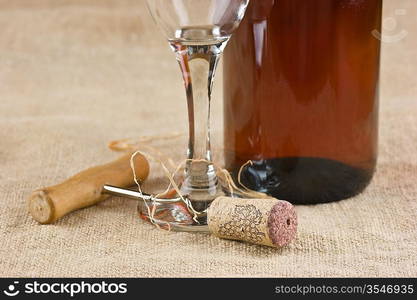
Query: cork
<point x="270" y="222"/>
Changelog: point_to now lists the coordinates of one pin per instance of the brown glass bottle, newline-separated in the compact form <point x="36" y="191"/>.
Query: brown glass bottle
<point x="301" y="98"/>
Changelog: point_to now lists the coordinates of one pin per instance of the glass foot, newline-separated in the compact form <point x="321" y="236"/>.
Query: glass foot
<point x="171" y="215"/>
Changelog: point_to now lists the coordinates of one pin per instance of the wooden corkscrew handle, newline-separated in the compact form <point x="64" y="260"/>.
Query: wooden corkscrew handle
<point x="84" y="189"/>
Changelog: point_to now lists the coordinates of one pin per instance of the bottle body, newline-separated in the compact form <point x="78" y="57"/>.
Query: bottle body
<point x="301" y="98"/>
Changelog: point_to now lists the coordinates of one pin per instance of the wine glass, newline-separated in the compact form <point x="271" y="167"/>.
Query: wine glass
<point x="198" y="31"/>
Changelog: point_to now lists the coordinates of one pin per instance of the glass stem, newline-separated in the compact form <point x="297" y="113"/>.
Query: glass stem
<point x="198" y="65"/>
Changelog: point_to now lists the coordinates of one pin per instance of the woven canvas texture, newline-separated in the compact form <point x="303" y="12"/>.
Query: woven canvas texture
<point x="77" y="74"/>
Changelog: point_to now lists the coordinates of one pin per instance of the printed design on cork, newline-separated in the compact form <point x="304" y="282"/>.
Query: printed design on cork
<point x="246" y="218"/>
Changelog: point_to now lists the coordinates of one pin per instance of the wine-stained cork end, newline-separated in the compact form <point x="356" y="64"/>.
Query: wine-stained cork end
<point x="282" y="223"/>
<point x="41" y="207"/>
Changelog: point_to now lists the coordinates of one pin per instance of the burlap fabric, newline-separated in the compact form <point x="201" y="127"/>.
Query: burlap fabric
<point x="76" y="74"/>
